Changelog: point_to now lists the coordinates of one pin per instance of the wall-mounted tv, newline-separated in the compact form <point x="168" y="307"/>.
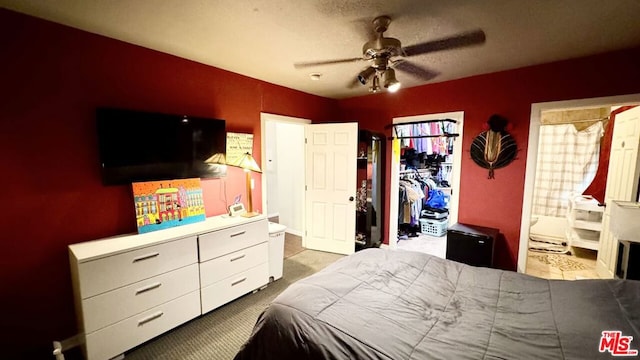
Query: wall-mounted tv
<point x="139" y="146"/>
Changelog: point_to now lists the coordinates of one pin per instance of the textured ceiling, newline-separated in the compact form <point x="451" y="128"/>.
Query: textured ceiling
<point x="264" y="38"/>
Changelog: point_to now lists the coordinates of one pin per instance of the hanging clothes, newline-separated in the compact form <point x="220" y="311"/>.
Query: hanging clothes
<point x="411" y="198"/>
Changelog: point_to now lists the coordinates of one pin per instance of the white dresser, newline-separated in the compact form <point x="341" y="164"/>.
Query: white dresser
<point x="130" y="289"/>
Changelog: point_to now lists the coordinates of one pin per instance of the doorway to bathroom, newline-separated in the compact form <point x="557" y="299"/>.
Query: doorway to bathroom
<point x="562" y="221"/>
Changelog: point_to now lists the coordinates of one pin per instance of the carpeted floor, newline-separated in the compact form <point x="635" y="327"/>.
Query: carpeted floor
<point x="218" y="335"/>
<point x="292" y="245"/>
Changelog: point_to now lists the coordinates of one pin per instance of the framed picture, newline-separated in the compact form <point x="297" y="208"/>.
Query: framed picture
<point x="167" y="203"/>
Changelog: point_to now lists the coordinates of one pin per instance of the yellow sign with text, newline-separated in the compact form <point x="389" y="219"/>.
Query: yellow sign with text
<point x="238" y="144"/>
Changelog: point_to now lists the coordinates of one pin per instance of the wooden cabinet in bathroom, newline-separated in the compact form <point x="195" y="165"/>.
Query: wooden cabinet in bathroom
<point x="584" y="222"/>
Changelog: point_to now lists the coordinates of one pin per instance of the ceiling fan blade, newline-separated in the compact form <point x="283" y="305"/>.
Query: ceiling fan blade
<point x="475" y="37"/>
<point x="302" y="65"/>
<point x="415" y="70"/>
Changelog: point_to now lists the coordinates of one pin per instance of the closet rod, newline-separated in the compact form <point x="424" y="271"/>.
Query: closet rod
<point x="423" y="136"/>
<point x="414" y="171"/>
<point x="420" y="122"/>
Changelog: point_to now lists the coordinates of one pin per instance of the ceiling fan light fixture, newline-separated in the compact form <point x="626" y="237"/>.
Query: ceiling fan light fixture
<point x="394" y="87"/>
<point x="364" y="75"/>
<point x="375" y="87"/>
<point x="390" y="82"/>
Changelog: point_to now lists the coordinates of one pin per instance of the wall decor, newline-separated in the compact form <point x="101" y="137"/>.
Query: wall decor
<point x="494" y="148"/>
<point x="238" y="144"/>
<point x="167" y="203"/>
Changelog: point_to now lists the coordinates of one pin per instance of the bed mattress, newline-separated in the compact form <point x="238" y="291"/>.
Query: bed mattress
<point x="394" y="304"/>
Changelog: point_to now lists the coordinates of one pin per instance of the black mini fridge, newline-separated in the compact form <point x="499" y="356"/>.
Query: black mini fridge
<point x="471" y="244"/>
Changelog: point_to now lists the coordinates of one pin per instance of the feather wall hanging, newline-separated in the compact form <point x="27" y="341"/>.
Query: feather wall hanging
<point x="494" y="148"/>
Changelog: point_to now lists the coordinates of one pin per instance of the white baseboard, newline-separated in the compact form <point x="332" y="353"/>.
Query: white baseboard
<point x="295" y="232"/>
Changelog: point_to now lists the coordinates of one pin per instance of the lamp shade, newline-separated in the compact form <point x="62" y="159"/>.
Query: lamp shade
<point x="247" y="162"/>
<point x="217" y="158"/>
<point x="624" y="223"/>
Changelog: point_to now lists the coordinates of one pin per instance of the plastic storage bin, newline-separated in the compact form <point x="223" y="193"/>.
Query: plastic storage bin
<point x="434" y="227"/>
<point x="276" y="250"/>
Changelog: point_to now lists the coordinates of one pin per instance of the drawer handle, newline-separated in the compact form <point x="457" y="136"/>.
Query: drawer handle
<point x="146" y="257"/>
<point x="238" y="233"/>
<point x="480" y="241"/>
<point x="148" y="288"/>
<point x="238" y="257"/>
<point x="150" y="318"/>
<point x="238" y="281"/>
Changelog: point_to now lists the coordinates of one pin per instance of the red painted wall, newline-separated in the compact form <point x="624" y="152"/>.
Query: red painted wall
<point x="498" y="203"/>
<point x="53" y="77"/>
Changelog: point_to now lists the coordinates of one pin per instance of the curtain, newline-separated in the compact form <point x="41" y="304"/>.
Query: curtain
<point x="567" y="163"/>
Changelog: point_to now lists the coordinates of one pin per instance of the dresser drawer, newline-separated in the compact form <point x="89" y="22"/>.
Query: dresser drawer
<point x="222" y="267"/>
<point x="220" y="293"/>
<point x="225" y="241"/>
<point x="122" y="336"/>
<point x="113" y="306"/>
<point x="101" y="275"/>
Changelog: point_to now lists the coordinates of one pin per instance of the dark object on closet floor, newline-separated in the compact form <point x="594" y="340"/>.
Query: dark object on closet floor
<point x="408" y="230"/>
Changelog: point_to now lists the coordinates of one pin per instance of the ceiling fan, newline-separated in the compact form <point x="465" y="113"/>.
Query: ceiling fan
<point x="386" y="54"/>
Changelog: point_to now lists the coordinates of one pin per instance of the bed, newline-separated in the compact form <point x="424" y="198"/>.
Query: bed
<point x="386" y="304"/>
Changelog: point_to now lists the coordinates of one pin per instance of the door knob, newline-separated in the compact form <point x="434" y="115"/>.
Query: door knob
<point x="350" y="198"/>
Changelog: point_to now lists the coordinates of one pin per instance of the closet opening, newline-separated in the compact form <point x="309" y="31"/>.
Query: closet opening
<point x="426" y="158"/>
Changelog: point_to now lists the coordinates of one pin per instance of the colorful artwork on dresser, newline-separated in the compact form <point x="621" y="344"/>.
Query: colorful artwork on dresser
<point x="167" y="203"/>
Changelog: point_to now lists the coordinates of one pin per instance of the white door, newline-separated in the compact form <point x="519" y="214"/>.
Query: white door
<point x="331" y="151"/>
<point x="622" y="182"/>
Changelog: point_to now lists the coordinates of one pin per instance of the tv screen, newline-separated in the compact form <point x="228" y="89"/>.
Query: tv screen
<point x="139" y="146"/>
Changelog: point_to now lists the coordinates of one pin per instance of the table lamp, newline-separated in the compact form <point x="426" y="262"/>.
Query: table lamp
<point x="249" y="164"/>
<point x="217" y="165"/>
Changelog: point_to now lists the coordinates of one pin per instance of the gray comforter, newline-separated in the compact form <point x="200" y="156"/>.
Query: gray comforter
<point x="384" y="304"/>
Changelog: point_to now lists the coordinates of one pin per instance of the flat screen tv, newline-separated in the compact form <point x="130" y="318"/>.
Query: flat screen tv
<point x="139" y="146"/>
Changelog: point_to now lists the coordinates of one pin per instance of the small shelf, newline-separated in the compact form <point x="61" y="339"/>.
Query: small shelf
<point x="370" y="178"/>
<point x="586" y="239"/>
<point x="584" y="218"/>
<point x="586" y="225"/>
